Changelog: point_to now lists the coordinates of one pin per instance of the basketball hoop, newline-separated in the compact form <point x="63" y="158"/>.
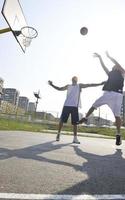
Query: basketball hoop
<point x="28" y="34"/>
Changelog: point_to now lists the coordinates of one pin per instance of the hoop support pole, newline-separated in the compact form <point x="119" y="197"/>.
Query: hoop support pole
<point x="5" y="30"/>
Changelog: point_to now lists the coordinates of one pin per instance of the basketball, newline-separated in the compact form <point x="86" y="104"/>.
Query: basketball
<point x="83" y="31"/>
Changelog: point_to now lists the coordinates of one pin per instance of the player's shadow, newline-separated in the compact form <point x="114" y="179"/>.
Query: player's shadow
<point x="106" y="174"/>
<point x="30" y="152"/>
<point x="36" y="152"/>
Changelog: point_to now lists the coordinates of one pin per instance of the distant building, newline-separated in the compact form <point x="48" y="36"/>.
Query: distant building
<point x="23" y="103"/>
<point x="45" y="116"/>
<point x="98" y="121"/>
<point x="11" y="95"/>
<point x="9" y="108"/>
<point x="31" y="107"/>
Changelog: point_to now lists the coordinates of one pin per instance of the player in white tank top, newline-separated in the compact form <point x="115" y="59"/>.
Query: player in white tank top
<point x="73" y="96"/>
<point x="71" y="104"/>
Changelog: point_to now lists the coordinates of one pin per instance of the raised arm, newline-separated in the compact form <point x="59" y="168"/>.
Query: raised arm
<point x="56" y="87"/>
<point x="91" y="84"/>
<point x="102" y="63"/>
<point x="116" y="63"/>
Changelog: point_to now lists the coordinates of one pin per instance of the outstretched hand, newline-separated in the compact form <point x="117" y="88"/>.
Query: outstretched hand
<point x="96" y="55"/>
<point x="50" y="82"/>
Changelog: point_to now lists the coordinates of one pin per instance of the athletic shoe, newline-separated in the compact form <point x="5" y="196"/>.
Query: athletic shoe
<point x="118" y="140"/>
<point x="83" y="120"/>
<point x="76" y="141"/>
<point x="58" y="137"/>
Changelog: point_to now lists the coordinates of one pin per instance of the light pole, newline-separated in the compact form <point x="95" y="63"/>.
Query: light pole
<point x="37" y="95"/>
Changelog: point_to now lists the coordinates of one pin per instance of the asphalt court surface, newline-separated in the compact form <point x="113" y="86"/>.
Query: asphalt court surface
<point x="34" y="163"/>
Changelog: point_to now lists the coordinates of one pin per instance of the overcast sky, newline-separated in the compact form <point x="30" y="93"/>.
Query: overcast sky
<point x="60" y="52"/>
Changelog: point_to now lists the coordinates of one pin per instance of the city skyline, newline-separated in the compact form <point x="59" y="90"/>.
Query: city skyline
<point x="24" y="103"/>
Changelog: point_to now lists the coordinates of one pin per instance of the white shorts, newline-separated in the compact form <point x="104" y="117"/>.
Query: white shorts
<point x="112" y="99"/>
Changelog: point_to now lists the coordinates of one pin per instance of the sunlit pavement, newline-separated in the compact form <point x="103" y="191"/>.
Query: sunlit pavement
<point x="34" y="163"/>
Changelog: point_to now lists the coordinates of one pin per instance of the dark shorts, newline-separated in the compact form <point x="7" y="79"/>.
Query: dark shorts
<point x="67" y="110"/>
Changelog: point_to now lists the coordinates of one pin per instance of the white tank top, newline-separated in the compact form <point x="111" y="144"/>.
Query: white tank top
<point x="73" y="96"/>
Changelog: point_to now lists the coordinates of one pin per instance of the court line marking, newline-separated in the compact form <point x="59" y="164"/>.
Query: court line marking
<point x="60" y="197"/>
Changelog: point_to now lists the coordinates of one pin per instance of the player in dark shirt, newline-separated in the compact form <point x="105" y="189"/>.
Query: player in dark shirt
<point x="113" y="93"/>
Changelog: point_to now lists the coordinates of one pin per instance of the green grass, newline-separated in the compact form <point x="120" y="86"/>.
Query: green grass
<point x="7" y="124"/>
<point x="22" y="126"/>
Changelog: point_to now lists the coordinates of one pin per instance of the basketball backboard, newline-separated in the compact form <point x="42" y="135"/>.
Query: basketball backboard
<point x="14" y="16"/>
